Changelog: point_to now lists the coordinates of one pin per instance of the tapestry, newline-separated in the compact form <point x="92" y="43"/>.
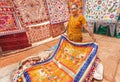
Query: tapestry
<point x="38" y="33"/>
<point x="14" y="41"/>
<point x="57" y="29"/>
<point x="58" y="11"/>
<point x="5" y="3"/>
<point x="8" y="21"/>
<point x="102" y="10"/>
<point x="68" y="54"/>
<point x="31" y="11"/>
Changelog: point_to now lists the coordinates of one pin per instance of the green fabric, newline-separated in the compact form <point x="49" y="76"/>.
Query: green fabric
<point x="104" y="30"/>
<point x="95" y="31"/>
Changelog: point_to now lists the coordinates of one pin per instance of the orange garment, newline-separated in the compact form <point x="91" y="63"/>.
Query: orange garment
<point x="75" y="28"/>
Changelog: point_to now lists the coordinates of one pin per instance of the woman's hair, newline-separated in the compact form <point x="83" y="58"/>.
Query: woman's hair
<point x="74" y="4"/>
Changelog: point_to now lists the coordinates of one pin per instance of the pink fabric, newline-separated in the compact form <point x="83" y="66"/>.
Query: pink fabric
<point x="31" y="11"/>
<point x="8" y="21"/>
<point x="38" y="33"/>
<point x="58" y="10"/>
<point x="57" y="29"/>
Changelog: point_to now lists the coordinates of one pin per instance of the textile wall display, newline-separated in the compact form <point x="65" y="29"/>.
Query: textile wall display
<point x="8" y="21"/>
<point x="5" y="3"/>
<point x="101" y="10"/>
<point x="31" y="11"/>
<point x="57" y="29"/>
<point x="14" y="41"/>
<point x="59" y="66"/>
<point x="58" y="11"/>
<point x="38" y="33"/>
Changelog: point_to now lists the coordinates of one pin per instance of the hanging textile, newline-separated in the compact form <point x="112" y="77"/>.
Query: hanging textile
<point x="70" y="62"/>
<point x="5" y="3"/>
<point x="31" y="11"/>
<point x="96" y="26"/>
<point x="14" y="41"/>
<point x="112" y="27"/>
<point x="118" y="30"/>
<point x="101" y="10"/>
<point x="8" y="21"/>
<point x="38" y="33"/>
<point x="57" y="29"/>
<point x="58" y="11"/>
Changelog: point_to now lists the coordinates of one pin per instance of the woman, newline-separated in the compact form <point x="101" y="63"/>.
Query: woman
<point x="75" y="24"/>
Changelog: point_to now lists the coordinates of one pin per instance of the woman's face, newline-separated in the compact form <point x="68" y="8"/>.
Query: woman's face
<point x="74" y="9"/>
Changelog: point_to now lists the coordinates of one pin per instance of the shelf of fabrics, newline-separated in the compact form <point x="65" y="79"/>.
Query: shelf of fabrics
<point x="14" y="41"/>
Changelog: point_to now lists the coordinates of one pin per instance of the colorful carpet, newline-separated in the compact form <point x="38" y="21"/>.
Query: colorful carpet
<point x="70" y="62"/>
<point x="57" y="29"/>
<point x="38" y="33"/>
<point x="58" y="11"/>
<point x="31" y="11"/>
<point x="8" y="21"/>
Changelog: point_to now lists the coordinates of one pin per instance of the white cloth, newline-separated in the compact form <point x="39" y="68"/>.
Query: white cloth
<point x="98" y="75"/>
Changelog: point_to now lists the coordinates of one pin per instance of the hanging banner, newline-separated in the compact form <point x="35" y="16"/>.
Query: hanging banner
<point x="31" y="11"/>
<point x="58" y="11"/>
<point x="102" y="10"/>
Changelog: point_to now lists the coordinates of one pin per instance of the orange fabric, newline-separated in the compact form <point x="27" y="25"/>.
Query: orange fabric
<point x="74" y="28"/>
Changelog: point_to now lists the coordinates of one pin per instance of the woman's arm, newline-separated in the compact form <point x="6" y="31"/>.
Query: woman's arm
<point x="90" y="33"/>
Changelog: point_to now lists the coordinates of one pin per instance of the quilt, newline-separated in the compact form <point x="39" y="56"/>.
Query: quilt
<point x="70" y="62"/>
<point x="31" y="11"/>
<point x="8" y="21"/>
<point x="58" y="11"/>
<point x="102" y="10"/>
<point x="38" y="33"/>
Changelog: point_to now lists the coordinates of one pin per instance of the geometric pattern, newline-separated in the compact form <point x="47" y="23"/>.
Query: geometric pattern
<point x="38" y="33"/>
<point x="58" y="11"/>
<point x="57" y="29"/>
<point x="31" y="12"/>
<point x="8" y="21"/>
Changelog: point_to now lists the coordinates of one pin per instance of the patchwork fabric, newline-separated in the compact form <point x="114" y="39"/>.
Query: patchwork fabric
<point x="57" y="29"/>
<point x="102" y="10"/>
<point x="38" y="33"/>
<point x="58" y="11"/>
<point x="31" y="11"/>
<point x="60" y="64"/>
<point x="8" y="21"/>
